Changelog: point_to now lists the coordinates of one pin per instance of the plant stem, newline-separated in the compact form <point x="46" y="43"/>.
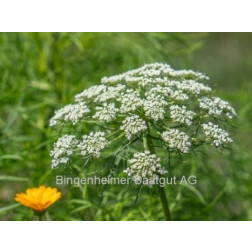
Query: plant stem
<point x="39" y="215"/>
<point x="161" y="189"/>
<point x="164" y="203"/>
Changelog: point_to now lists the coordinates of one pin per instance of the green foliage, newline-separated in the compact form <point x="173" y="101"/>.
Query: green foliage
<point x="41" y="72"/>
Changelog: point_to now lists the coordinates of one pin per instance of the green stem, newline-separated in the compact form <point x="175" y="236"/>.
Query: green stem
<point x="161" y="189"/>
<point x="39" y="215"/>
<point x="115" y="139"/>
<point x="164" y="203"/>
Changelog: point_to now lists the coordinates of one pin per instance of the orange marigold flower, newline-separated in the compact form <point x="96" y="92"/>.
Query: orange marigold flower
<point x="38" y="199"/>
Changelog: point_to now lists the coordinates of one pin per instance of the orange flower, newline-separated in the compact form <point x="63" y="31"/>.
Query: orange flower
<point x="38" y="199"/>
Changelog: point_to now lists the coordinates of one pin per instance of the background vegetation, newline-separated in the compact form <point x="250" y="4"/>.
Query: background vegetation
<point x="41" y="72"/>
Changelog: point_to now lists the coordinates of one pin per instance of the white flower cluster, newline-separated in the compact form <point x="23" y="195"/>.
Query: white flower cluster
<point x="130" y="101"/>
<point x="184" y="74"/>
<point x="216" y="106"/>
<point x="170" y="92"/>
<point x="176" y="139"/>
<point x="154" y="106"/>
<point x="63" y="150"/>
<point x="181" y="114"/>
<point x="193" y="87"/>
<point x="151" y="88"/>
<point x="106" y="112"/>
<point x="145" y="167"/>
<point x="154" y="96"/>
<point x="133" y="125"/>
<point x="218" y="135"/>
<point x="109" y="93"/>
<point x="71" y="112"/>
<point x="92" y="144"/>
<point x="143" y="75"/>
<point x="179" y="95"/>
<point x="90" y="92"/>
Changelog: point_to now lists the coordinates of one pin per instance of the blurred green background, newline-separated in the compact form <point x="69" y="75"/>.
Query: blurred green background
<point x="41" y="72"/>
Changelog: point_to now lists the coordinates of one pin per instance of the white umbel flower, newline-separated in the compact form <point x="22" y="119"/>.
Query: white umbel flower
<point x="193" y="87"/>
<point x="216" y="106"/>
<point x="176" y="139"/>
<point x="113" y="79"/>
<point x="109" y="93"/>
<point x="188" y="74"/>
<point x="152" y="71"/>
<point x="218" y="135"/>
<point x="132" y="125"/>
<point x="72" y="113"/>
<point x="63" y="149"/>
<point x="154" y="107"/>
<point x="179" y="95"/>
<point x="130" y="101"/>
<point x="145" y="167"/>
<point x="90" y="93"/>
<point x="92" y="144"/>
<point x="160" y="90"/>
<point x="182" y="114"/>
<point x="169" y="91"/>
<point x="148" y="100"/>
<point x="106" y="112"/>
